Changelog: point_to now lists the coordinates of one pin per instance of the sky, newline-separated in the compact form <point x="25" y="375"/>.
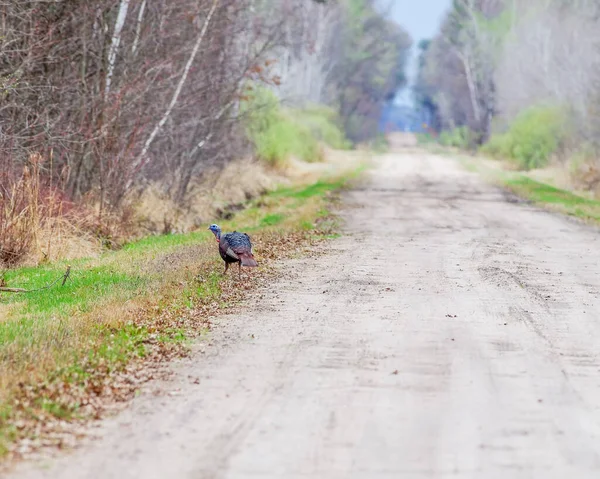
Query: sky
<point x="421" y="18"/>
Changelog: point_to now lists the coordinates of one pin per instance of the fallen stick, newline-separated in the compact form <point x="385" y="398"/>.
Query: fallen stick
<point x="64" y="277"/>
<point x="13" y="290"/>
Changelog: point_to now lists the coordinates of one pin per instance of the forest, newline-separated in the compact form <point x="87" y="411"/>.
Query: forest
<point x="518" y="80"/>
<point x="231" y="248"/>
<point x="105" y="100"/>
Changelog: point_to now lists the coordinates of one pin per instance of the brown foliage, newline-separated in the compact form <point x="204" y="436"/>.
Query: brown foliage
<point x="114" y="95"/>
<point x="88" y="81"/>
<point x="26" y="205"/>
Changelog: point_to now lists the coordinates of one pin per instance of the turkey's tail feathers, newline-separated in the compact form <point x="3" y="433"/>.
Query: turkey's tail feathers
<point x="248" y="260"/>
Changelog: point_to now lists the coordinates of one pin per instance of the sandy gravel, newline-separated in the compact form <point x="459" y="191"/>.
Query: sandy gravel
<point x="451" y="333"/>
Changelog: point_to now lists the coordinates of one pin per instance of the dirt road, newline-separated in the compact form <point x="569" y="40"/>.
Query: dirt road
<point x="451" y="333"/>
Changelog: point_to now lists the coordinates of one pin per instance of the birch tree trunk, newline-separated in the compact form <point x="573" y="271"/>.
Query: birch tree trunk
<point x="115" y="42"/>
<point x="141" y="159"/>
<point x="473" y="93"/>
<point x="138" y="28"/>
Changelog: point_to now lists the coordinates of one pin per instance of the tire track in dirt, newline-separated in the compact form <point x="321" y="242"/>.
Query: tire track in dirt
<point x="452" y="332"/>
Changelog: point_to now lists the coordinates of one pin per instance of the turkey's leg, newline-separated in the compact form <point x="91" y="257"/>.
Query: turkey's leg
<point x="226" y="267"/>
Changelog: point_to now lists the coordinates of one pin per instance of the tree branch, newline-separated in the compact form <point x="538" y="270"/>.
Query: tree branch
<point x="141" y="159"/>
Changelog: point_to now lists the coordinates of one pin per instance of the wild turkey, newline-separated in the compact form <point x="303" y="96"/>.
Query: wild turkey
<point x="234" y="248"/>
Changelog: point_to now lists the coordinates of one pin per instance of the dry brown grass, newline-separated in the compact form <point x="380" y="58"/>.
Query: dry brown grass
<point x="25" y="210"/>
<point x="207" y="199"/>
<point x="579" y="177"/>
<point x="583" y="179"/>
<point x="221" y="192"/>
<point x="334" y="163"/>
<point x="37" y="224"/>
<point x="63" y="239"/>
<point x="586" y="176"/>
<point x="71" y="361"/>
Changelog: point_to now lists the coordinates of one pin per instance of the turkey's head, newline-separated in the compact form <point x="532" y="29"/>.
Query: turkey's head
<point x="216" y="231"/>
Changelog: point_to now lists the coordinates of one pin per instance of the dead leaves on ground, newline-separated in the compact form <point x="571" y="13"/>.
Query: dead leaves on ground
<point x="54" y="412"/>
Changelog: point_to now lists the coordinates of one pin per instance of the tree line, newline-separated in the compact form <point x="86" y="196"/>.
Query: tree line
<point x="502" y="69"/>
<point x="114" y="94"/>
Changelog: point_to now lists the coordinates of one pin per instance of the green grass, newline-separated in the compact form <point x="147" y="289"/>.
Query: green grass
<point x="57" y="410"/>
<point x="272" y="219"/>
<point x="540" y="194"/>
<point x="159" y="243"/>
<point x="461" y="137"/>
<point x="320" y="188"/>
<point x="83" y="288"/>
<point x="554" y="198"/>
<point x="114" y="306"/>
<point x="533" y="137"/>
<point x="278" y="133"/>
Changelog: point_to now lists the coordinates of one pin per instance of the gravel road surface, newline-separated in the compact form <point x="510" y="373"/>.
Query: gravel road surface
<point x="451" y="332"/>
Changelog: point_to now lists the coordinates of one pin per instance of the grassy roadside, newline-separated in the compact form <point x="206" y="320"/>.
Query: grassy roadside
<point x="539" y="193"/>
<point x="66" y="352"/>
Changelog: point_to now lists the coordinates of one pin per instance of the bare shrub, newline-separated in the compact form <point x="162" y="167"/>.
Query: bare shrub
<point x="26" y="207"/>
<point x="117" y="95"/>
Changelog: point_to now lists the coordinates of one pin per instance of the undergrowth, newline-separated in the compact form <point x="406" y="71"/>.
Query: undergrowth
<point x="278" y="133"/>
<point x="460" y="137"/>
<point x="539" y="193"/>
<point x="534" y="136"/>
<point x="38" y="223"/>
<point x="67" y="351"/>
<point x="554" y="198"/>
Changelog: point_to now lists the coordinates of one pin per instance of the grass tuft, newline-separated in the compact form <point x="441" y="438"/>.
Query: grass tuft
<point x="66" y="351"/>
<point x="272" y="219"/>
<point x="554" y="198"/>
<point x="539" y="193"/>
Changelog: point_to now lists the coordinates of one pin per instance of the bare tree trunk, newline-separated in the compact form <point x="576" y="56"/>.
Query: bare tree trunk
<point x="473" y="91"/>
<point x="140" y="160"/>
<point x="138" y="28"/>
<point x="116" y="40"/>
<point x="188" y="166"/>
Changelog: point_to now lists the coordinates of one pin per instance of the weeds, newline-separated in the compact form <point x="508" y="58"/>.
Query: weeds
<point x="272" y="219"/>
<point x="65" y="353"/>
<point x="535" y="135"/>
<point x="461" y="137"/>
<point x="555" y="198"/>
<point x="278" y="134"/>
<point x="38" y="224"/>
<point x="24" y="211"/>
<point x="539" y="193"/>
